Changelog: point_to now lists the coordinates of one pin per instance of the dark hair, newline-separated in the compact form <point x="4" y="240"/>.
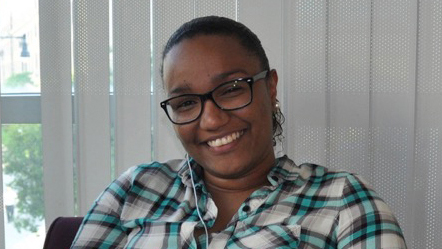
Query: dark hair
<point x="216" y="25"/>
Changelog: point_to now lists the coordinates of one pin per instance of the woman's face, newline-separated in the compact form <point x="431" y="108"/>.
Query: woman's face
<point x="198" y="65"/>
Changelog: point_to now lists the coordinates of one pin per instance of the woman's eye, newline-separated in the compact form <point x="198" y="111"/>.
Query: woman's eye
<point x="185" y="105"/>
<point x="233" y="90"/>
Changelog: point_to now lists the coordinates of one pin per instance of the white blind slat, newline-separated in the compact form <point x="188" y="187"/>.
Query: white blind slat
<point x="132" y="83"/>
<point x="393" y="104"/>
<point x="305" y="92"/>
<point x="56" y="106"/>
<point x="427" y="197"/>
<point x="92" y="87"/>
<point x="348" y="70"/>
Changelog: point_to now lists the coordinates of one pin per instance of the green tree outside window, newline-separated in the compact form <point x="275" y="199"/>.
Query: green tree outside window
<point x="22" y="160"/>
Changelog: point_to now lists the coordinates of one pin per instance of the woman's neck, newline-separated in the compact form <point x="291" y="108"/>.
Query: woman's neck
<point x="245" y="183"/>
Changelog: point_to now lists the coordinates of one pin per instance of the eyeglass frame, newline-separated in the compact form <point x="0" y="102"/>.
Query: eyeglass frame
<point x="205" y="96"/>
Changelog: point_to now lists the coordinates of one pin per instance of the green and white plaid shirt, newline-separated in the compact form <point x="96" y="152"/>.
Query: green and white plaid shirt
<point x="306" y="206"/>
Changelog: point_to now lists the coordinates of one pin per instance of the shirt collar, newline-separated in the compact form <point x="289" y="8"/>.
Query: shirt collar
<point x="184" y="172"/>
<point x="284" y="170"/>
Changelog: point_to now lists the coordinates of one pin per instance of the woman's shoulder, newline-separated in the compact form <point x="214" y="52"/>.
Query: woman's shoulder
<point x="153" y="171"/>
<point x="312" y="171"/>
<point x="335" y="176"/>
<point x="322" y="177"/>
<point x="172" y="165"/>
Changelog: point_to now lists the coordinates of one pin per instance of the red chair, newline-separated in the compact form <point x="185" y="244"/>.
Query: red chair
<point x="62" y="232"/>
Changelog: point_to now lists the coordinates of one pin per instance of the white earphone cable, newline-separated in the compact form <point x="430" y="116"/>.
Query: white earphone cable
<point x="196" y="202"/>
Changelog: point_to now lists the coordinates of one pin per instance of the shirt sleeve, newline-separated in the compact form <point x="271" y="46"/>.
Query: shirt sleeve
<point x="101" y="227"/>
<point x="365" y="220"/>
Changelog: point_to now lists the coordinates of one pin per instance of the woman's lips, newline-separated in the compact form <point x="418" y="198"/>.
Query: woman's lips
<point x="225" y="140"/>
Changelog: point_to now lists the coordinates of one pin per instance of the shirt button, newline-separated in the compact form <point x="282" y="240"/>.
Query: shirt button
<point x="246" y="208"/>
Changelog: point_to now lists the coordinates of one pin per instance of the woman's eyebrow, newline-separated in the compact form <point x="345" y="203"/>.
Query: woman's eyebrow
<point x="184" y="88"/>
<point x="223" y="76"/>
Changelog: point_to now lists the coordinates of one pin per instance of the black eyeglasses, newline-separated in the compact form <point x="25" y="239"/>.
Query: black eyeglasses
<point x="229" y="96"/>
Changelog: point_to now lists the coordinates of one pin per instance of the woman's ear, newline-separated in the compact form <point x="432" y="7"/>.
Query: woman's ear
<point x="272" y="80"/>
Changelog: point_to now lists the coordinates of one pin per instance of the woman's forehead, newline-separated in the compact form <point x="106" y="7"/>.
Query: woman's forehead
<point x="207" y="50"/>
<point x="206" y="59"/>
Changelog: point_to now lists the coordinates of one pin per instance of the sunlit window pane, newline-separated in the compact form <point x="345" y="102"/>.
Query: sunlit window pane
<point x="19" y="56"/>
<point x="23" y="185"/>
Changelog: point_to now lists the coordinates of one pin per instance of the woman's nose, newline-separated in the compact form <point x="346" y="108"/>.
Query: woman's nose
<point x="213" y="117"/>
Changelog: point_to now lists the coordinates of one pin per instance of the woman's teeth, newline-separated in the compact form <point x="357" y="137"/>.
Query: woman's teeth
<point x="225" y="140"/>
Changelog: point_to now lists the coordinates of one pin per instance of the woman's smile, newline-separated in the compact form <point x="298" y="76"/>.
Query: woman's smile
<point x="215" y="143"/>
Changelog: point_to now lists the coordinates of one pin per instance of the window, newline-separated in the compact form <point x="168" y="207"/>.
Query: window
<point x="22" y="170"/>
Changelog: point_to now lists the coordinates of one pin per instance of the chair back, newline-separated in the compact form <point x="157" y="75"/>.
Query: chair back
<point x="62" y="232"/>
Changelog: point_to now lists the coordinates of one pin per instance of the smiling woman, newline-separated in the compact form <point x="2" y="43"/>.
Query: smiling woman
<point x="231" y="191"/>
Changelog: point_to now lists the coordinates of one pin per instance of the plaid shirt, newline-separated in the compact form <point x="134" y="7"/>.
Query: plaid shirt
<point x="306" y="206"/>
